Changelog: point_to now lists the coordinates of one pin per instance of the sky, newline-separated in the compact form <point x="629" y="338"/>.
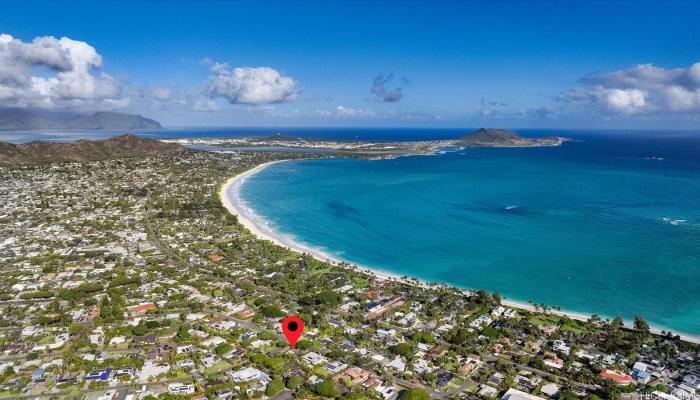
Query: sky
<point x="537" y="64"/>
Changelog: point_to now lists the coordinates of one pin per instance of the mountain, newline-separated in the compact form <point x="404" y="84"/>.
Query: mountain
<point x="39" y="152"/>
<point x="490" y="137"/>
<point x="16" y="119"/>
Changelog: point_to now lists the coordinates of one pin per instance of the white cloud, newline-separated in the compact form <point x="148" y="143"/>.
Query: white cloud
<point x="347" y="112"/>
<point x="51" y="73"/>
<point x="205" y="105"/>
<point x="246" y="85"/>
<point x="343" y="111"/>
<point x="162" y="93"/>
<point x="643" y="88"/>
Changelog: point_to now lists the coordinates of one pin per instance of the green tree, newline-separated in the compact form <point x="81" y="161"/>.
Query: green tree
<point x="642" y="327"/>
<point x="272" y="311"/>
<point x="223" y="348"/>
<point x="403" y="349"/>
<point x="327" y="389"/>
<point x="274" y="387"/>
<point x="294" y="381"/>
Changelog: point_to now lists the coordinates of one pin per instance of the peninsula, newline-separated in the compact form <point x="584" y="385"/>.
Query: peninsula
<point x="483" y="137"/>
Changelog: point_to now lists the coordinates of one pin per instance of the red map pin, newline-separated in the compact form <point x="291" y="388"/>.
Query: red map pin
<point x="292" y="327"/>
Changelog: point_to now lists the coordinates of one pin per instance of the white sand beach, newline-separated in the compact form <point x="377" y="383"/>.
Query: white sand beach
<point x="230" y="198"/>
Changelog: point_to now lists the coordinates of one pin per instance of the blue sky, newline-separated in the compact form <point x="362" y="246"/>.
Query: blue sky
<point x="514" y="64"/>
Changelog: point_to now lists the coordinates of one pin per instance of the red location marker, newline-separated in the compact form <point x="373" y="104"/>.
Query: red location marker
<point x="292" y="327"/>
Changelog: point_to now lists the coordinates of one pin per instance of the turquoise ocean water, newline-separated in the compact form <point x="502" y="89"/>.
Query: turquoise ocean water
<point x="593" y="227"/>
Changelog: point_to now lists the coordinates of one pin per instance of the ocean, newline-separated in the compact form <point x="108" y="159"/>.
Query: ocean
<point x="607" y="224"/>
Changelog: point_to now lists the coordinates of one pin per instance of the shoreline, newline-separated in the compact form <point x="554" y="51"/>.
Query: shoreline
<point x="250" y="220"/>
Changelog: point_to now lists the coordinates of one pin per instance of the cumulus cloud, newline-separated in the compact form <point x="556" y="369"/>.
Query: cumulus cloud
<point x="52" y="73"/>
<point x="162" y="93"/>
<point x="644" y="88"/>
<point x="380" y="88"/>
<point x="246" y="85"/>
<point x="205" y="105"/>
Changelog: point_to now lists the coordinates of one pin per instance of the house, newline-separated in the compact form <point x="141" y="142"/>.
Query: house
<point x="245" y="314"/>
<point x="249" y="374"/>
<point x="444" y="377"/>
<point x="551" y="390"/>
<point x="421" y="366"/>
<point x="515" y="394"/>
<point x="355" y="375"/>
<point x="185" y="349"/>
<point x="225" y="325"/>
<point x="149" y="338"/>
<point x="185" y="364"/>
<point x="384" y="334"/>
<point x="141" y="309"/>
<point x="551" y="360"/>
<point x="397" y="364"/>
<point x="470" y="365"/>
<point x="486" y="391"/>
<point x="692" y="380"/>
<point x="561" y="347"/>
<point x="335" y="367"/>
<point x="496" y="379"/>
<point x="216" y="257"/>
<point x="180" y="389"/>
<point x="213" y="341"/>
<point x="388" y="391"/>
<point x="525" y="380"/>
<point x="208" y="360"/>
<point x="37" y="373"/>
<point x="480" y="321"/>
<point x="99" y="375"/>
<point x="618" y="377"/>
<point x="151" y="369"/>
<point x="642" y="377"/>
<point x="312" y="358"/>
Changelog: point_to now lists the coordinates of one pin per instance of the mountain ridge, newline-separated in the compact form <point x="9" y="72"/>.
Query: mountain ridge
<point x="31" y="119"/>
<point x="123" y="146"/>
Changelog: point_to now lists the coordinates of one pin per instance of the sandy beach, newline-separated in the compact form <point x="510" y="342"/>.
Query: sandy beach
<point x="230" y="198"/>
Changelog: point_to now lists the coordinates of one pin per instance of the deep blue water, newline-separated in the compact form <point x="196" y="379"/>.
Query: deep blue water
<point x="592" y="226"/>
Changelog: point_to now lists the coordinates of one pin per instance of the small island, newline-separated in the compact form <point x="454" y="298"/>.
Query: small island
<point x="490" y="137"/>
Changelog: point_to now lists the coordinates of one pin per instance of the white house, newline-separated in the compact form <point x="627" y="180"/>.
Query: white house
<point x="312" y="358"/>
<point x="247" y="375"/>
<point x="515" y="394"/>
<point x="180" y="388"/>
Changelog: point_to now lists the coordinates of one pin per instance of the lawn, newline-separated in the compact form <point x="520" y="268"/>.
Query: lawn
<point x="359" y="282"/>
<point x="217" y="367"/>
<point x="544" y="320"/>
